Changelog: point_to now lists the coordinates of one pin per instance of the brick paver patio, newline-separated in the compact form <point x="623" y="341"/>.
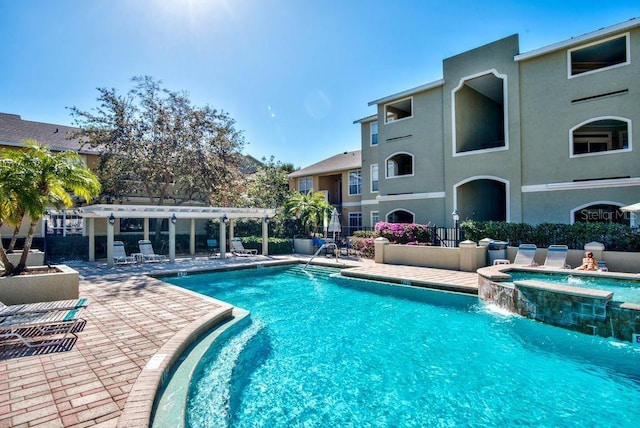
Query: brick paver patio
<point x="131" y="317"/>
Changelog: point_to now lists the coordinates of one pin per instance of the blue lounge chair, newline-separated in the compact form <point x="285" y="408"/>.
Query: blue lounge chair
<point x="56" y="305"/>
<point x="37" y="329"/>
<point x="213" y="247"/>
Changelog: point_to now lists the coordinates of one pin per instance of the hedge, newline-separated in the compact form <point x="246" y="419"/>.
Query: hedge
<point x="615" y="237"/>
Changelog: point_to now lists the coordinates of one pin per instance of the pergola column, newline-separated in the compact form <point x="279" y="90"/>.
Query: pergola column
<point x="91" y="231"/>
<point x="265" y="236"/>
<point x="223" y="239"/>
<point x="172" y="239"/>
<point x="110" y="233"/>
<point x="192" y="237"/>
<point x="145" y="228"/>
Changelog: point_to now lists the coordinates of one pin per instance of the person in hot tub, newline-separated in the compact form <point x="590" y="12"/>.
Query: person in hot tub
<point x="589" y="262"/>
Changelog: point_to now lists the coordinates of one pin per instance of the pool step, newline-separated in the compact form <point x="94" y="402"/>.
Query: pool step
<point x="318" y="272"/>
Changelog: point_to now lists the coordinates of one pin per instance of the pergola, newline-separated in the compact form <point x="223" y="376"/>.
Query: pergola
<point x="109" y="213"/>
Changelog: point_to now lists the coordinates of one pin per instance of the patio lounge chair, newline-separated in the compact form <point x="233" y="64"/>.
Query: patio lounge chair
<point x="525" y="255"/>
<point x="146" y="249"/>
<point x="557" y="257"/>
<point x="56" y="305"/>
<point x="38" y="329"/>
<point x="120" y="255"/>
<point x="238" y="249"/>
<point x="213" y="247"/>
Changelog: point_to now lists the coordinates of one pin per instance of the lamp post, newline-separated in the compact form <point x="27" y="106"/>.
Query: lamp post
<point x="456" y="217"/>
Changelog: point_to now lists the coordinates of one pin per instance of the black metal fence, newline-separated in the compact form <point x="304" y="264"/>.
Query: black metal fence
<point x="446" y="236"/>
<point x="440" y="236"/>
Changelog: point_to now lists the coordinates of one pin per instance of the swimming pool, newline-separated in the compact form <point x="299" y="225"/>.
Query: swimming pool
<point x="321" y="350"/>
<point x="624" y="290"/>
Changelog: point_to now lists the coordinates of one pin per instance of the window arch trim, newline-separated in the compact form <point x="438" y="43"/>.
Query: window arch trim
<point x="607" y="152"/>
<point x="390" y="157"/>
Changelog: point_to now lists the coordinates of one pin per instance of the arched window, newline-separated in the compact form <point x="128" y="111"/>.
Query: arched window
<point x="479" y="112"/>
<point x="400" y="216"/>
<point x="399" y="164"/>
<point x="601" y="212"/>
<point x="600" y="135"/>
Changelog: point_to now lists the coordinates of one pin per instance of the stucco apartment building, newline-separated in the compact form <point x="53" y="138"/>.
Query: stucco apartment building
<point x="541" y="136"/>
<point x="340" y="178"/>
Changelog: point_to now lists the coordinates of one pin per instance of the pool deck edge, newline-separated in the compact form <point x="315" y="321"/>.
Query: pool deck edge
<point x="138" y="407"/>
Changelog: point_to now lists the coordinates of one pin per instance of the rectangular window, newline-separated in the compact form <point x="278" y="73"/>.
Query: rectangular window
<point x="131" y="225"/>
<point x="374" y="177"/>
<point x="355" y="182"/>
<point x="391" y="168"/>
<point x="591" y="143"/>
<point x="599" y="56"/>
<point x="305" y="185"/>
<point x="136" y="225"/>
<point x="374" y="133"/>
<point x="375" y="218"/>
<point x="398" y="110"/>
<point x="355" y="221"/>
<point x="64" y="223"/>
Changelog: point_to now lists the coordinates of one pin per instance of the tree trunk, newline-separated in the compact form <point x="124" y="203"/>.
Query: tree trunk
<point x="26" y="248"/>
<point x="14" y="237"/>
<point x="8" y="267"/>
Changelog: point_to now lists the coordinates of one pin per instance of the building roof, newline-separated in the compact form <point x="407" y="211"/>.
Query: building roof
<point x="409" y="92"/>
<point x="371" y="118"/>
<point x="14" y="130"/>
<point x="341" y="162"/>
<point x="623" y="26"/>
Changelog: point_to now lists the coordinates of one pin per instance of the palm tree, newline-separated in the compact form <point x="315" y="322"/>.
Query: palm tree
<point x="310" y="208"/>
<point x="12" y="178"/>
<point x="41" y="178"/>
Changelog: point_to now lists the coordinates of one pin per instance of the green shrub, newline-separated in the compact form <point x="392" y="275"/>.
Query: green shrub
<point x="615" y="237"/>
<point x="276" y="245"/>
<point x="363" y="234"/>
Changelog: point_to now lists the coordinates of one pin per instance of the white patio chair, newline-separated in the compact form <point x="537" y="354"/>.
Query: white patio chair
<point x="120" y="254"/>
<point x="557" y="257"/>
<point x="146" y="249"/>
<point x="238" y="249"/>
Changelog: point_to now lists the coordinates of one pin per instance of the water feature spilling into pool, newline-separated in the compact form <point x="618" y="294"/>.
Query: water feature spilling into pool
<point x="321" y="350"/>
<point x="624" y="290"/>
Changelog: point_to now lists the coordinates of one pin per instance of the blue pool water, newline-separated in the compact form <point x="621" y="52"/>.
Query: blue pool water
<point x="325" y="351"/>
<point x="623" y="290"/>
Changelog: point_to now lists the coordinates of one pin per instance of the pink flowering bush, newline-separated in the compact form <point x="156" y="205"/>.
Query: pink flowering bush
<point x="363" y="247"/>
<point x="404" y="233"/>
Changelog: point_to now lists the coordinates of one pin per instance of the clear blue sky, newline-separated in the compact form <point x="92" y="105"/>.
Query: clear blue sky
<point x="294" y="74"/>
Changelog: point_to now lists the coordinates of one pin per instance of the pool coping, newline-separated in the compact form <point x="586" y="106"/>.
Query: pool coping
<point x="138" y="407"/>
